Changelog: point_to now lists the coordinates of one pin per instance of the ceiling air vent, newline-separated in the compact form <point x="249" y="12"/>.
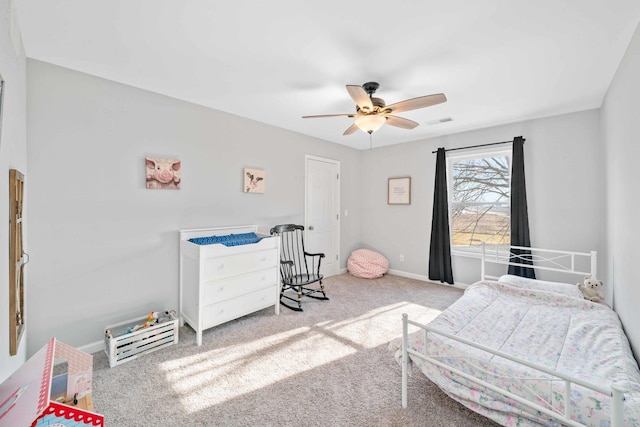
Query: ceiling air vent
<point x="438" y="121"/>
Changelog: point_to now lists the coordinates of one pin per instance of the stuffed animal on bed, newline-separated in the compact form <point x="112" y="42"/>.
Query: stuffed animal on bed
<point x="591" y="289"/>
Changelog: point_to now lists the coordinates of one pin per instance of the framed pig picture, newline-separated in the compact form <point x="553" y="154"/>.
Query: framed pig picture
<point x="163" y="173"/>
<point x="253" y="181"/>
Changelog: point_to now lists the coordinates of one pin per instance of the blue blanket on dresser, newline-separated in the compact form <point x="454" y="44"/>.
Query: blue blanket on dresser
<point x="228" y="239"/>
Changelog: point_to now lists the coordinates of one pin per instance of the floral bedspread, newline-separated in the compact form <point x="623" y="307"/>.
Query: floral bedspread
<point x="569" y="335"/>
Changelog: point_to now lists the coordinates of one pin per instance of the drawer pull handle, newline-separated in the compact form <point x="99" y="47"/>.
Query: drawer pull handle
<point x="221" y="267"/>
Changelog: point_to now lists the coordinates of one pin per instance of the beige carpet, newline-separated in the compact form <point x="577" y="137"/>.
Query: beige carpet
<point x="327" y="366"/>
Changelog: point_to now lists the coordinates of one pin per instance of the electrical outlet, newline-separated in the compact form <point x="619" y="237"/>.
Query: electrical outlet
<point x="401" y="257"/>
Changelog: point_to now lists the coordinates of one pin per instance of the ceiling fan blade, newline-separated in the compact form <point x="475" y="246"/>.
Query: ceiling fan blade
<point x="351" y="129"/>
<point x="329" y="115"/>
<point x="401" y="122"/>
<point x="415" y="103"/>
<point x="360" y="97"/>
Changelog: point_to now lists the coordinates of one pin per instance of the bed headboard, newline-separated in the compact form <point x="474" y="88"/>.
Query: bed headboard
<point x="578" y="263"/>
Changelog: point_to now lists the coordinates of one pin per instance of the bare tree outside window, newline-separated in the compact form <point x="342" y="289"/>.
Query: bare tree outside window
<point x="480" y="200"/>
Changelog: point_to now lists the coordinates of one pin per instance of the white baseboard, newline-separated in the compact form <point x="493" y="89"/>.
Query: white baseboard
<point x="93" y="347"/>
<point x="424" y="278"/>
<point x="415" y="276"/>
<point x="408" y="275"/>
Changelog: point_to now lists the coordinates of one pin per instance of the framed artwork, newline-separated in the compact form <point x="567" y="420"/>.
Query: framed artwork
<point x="17" y="261"/>
<point x="253" y="180"/>
<point x="399" y="191"/>
<point x="163" y="173"/>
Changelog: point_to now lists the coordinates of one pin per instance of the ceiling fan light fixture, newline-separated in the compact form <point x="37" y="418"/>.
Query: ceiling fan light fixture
<point x="371" y="112"/>
<point x="370" y="123"/>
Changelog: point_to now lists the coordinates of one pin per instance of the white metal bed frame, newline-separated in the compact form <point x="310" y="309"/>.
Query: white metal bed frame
<point x="557" y="261"/>
<point x="544" y="259"/>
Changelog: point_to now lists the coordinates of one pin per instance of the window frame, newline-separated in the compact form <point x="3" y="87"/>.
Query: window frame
<point x="468" y="154"/>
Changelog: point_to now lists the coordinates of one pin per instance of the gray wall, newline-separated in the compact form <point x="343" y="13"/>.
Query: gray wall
<point x="620" y="114"/>
<point x="13" y="155"/>
<point x="565" y="185"/>
<point x="104" y="249"/>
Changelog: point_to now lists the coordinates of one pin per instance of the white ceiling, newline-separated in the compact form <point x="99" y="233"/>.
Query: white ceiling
<point x="497" y="61"/>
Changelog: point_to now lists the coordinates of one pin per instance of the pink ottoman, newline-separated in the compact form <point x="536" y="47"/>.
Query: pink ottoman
<point x="367" y="264"/>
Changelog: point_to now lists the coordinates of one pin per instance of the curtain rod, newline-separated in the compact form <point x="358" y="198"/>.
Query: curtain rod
<point x="476" y="146"/>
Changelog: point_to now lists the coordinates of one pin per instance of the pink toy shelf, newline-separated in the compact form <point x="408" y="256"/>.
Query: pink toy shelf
<point x="26" y="396"/>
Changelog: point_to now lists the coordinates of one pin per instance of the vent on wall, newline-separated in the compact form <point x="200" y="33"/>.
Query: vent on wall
<point x="438" y="121"/>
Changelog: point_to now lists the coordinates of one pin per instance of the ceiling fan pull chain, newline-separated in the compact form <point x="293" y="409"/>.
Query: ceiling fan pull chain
<point x="370" y="142"/>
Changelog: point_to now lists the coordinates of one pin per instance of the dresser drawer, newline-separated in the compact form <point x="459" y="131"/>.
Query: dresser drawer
<point x="228" y="266"/>
<point x="236" y="307"/>
<point x="220" y="290"/>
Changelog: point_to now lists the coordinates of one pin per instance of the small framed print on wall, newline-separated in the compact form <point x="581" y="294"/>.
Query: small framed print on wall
<point x="253" y="180"/>
<point x="163" y="173"/>
<point x="399" y="191"/>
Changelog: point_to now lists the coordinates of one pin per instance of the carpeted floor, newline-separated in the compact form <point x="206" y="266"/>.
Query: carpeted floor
<point x="327" y="366"/>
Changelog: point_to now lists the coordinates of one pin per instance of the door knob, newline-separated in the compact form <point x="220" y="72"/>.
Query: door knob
<point x="311" y="227"/>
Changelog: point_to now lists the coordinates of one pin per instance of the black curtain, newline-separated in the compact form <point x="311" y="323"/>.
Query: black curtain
<point x="519" y="215"/>
<point x="440" y="249"/>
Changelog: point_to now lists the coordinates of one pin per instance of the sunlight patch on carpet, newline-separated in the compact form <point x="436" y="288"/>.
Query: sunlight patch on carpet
<point x="213" y="377"/>
<point x="380" y="325"/>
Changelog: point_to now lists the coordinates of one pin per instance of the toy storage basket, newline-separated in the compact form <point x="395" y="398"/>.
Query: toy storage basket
<point x="122" y="347"/>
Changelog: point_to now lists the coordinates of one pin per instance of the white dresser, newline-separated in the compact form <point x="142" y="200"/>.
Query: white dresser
<point x="219" y="283"/>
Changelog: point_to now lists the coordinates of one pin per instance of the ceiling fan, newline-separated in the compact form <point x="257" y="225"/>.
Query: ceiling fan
<point x="371" y="113"/>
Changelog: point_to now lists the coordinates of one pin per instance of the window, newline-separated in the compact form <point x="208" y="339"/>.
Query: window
<point x="479" y="195"/>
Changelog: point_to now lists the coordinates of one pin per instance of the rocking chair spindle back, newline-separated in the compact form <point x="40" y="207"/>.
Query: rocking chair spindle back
<point x="299" y="269"/>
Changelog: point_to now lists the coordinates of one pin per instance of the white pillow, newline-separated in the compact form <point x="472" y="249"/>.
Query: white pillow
<point x="541" y="285"/>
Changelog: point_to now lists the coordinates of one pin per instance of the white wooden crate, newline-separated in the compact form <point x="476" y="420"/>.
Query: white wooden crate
<point x="122" y="347"/>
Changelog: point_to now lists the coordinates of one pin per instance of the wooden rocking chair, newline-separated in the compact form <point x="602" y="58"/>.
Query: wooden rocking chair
<point x="298" y="268"/>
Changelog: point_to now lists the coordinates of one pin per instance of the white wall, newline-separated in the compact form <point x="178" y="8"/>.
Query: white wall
<point x="620" y="115"/>
<point x="13" y="155"/>
<point x="565" y="184"/>
<point x="103" y="248"/>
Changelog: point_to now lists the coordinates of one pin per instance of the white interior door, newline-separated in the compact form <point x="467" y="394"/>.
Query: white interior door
<point x="322" y="211"/>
